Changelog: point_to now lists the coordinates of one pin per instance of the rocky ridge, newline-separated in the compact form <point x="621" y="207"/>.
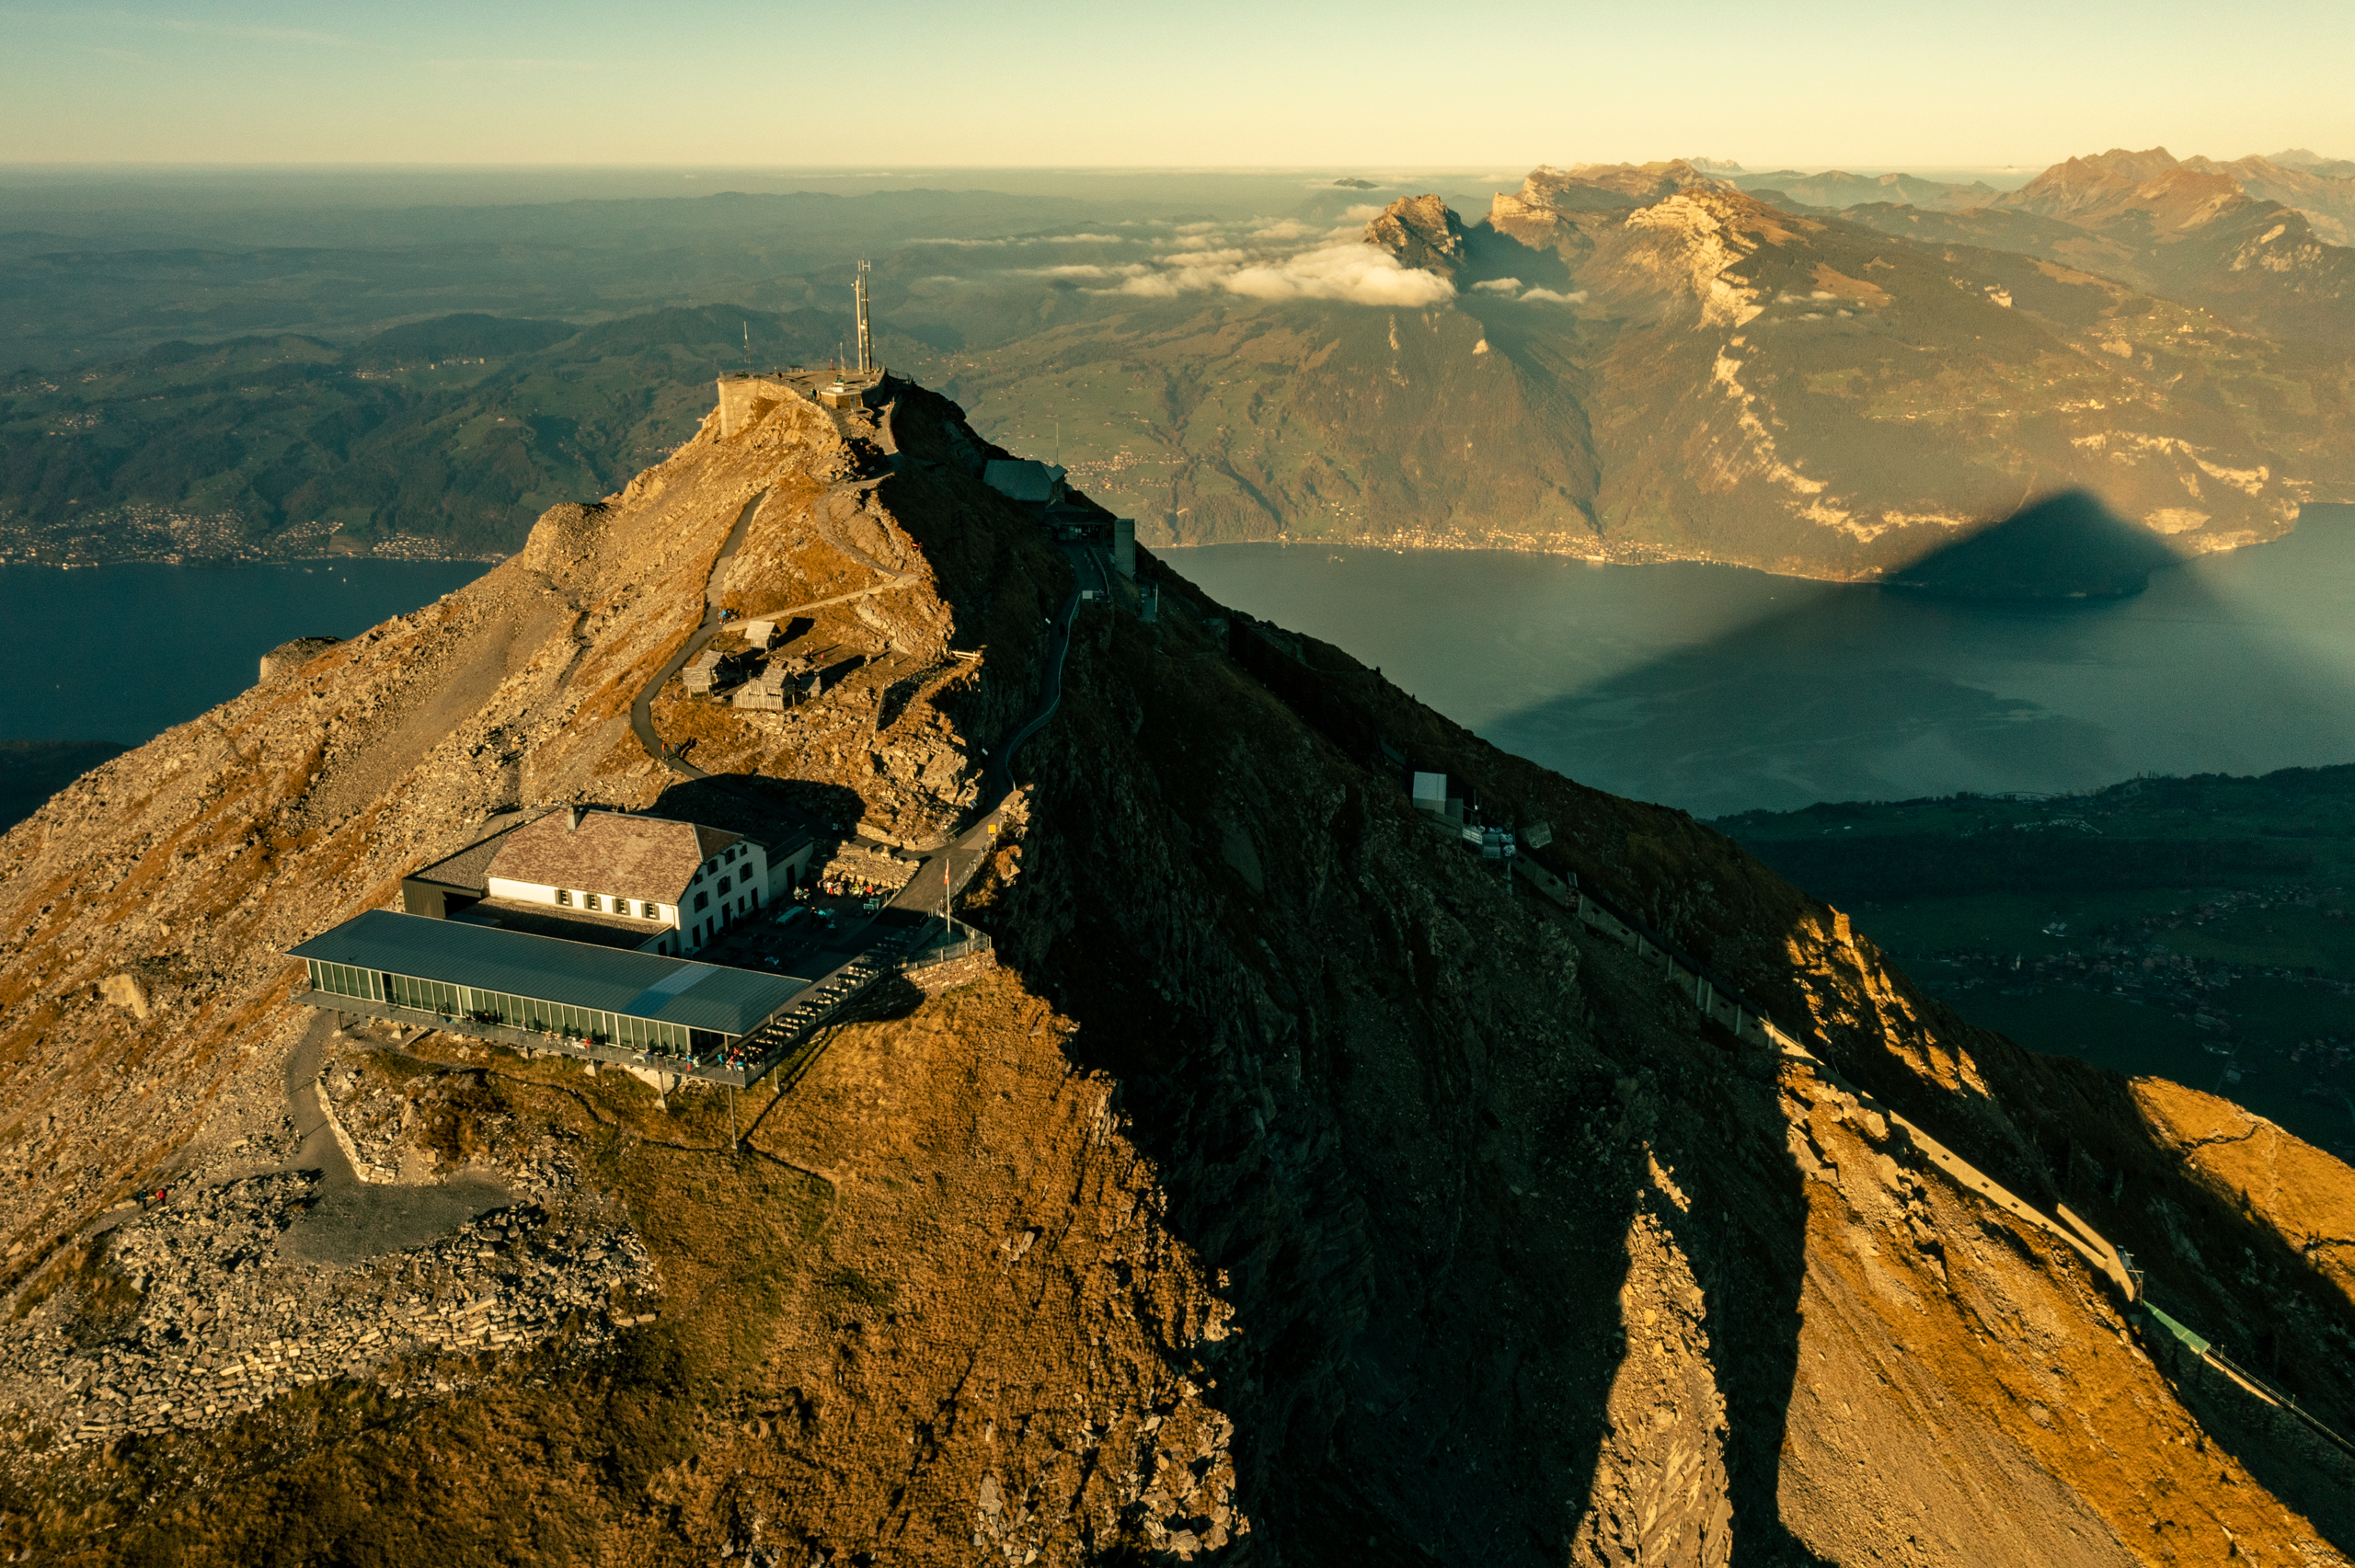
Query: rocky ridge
<point x="1294" y="1189"/>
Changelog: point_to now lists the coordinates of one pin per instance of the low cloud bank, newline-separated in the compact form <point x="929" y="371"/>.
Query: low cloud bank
<point x="1260" y="258"/>
<point x="1358" y="273"/>
<point x="1027" y="239"/>
<point x="1257" y="261"/>
<point x="1511" y="288"/>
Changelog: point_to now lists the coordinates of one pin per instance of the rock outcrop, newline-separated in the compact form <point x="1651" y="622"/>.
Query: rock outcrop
<point x="1421" y="232"/>
<point x="289" y="656"/>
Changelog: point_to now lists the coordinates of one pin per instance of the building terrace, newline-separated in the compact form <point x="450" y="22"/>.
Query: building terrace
<point x="547" y="993"/>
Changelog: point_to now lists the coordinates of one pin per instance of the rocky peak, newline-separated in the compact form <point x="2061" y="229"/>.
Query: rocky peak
<point x="2085" y="184"/>
<point x="1422" y="232"/>
<point x="1633" y="185"/>
<point x="2149" y="193"/>
<point x="1552" y="205"/>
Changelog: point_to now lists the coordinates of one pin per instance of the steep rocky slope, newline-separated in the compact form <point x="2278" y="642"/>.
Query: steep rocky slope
<point x="1297" y="1190"/>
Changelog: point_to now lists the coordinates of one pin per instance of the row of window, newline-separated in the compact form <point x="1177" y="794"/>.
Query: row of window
<point x="601" y="902"/>
<point x="515" y="1012"/>
<point x="715" y="862"/>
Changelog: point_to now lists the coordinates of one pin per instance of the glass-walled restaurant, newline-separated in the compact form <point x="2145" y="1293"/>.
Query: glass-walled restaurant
<point x="480" y="1006"/>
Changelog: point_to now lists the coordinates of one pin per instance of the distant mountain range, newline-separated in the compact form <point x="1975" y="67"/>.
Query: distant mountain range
<point x="1634" y="362"/>
<point x="1830" y="374"/>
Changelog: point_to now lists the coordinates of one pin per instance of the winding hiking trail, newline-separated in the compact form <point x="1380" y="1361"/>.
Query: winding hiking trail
<point x="965" y="851"/>
<point x="641" y="708"/>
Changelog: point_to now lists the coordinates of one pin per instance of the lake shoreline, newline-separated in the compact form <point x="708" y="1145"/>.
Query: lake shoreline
<point x="1719" y="689"/>
<point x="1604" y="552"/>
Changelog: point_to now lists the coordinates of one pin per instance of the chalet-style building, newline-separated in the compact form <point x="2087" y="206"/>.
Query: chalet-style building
<point x="614" y="879"/>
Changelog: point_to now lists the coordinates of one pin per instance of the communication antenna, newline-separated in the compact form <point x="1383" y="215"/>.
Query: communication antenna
<point x="1058" y="458"/>
<point x="866" y="347"/>
<point x="748" y="349"/>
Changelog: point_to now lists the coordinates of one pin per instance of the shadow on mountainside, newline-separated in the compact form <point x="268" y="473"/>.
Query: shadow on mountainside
<point x="1458" y="1163"/>
<point x="764" y="807"/>
<point x="1451" y="1158"/>
<point x="2055" y="1129"/>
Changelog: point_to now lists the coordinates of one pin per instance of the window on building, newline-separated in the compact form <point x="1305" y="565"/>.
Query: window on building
<point x="703" y="900"/>
<point x="653" y="912"/>
<point x="564" y="897"/>
<point x="725" y="884"/>
<point x="589" y="901"/>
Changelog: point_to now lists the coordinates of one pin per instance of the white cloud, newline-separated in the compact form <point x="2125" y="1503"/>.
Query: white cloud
<point x="1359" y="274"/>
<point x="1229" y="256"/>
<point x="1004" y="240"/>
<point x="1262" y="259"/>
<point x="1548" y="296"/>
<point x="1498" y="286"/>
<point x="1086" y="269"/>
<point x="1161" y="286"/>
<point x="1364" y="212"/>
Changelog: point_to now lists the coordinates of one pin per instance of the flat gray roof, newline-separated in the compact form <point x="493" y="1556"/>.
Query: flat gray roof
<point x="548" y="969"/>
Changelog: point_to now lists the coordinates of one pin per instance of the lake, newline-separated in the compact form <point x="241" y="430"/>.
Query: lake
<point x="124" y="652"/>
<point x="1719" y="689"/>
<point x="1715" y="689"/>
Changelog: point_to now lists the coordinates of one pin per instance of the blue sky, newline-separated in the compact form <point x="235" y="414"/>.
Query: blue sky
<point x="1214" y="83"/>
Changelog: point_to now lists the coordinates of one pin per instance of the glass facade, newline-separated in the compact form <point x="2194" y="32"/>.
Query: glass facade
<point x="514" y="1012"/>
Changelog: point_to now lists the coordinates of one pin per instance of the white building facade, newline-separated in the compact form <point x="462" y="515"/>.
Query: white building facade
<point x="682" y="882"/>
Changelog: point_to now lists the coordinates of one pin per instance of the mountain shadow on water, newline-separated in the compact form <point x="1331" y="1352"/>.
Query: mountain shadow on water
<point x="1849" y="694"/>
<point x="2066" y="547"/>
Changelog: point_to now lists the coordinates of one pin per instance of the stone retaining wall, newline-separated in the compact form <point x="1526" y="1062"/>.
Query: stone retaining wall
<point x="933" y="979"/>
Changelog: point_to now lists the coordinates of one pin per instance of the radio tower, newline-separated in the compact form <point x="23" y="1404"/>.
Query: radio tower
<point x="865" y="350"/>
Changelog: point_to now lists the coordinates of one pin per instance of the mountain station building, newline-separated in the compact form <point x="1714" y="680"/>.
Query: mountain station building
<point x="614" y="878"/>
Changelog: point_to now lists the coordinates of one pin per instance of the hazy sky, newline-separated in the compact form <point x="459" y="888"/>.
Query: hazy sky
<point x="872" y="82"/>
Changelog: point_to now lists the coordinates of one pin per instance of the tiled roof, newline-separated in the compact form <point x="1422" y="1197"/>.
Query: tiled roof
<point x="610" y="851"/>
<point x="468" y="868"/>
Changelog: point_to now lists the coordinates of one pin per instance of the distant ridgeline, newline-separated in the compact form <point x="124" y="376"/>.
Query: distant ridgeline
<point x="2144" y="833"/>
<point x="438" y="438"/>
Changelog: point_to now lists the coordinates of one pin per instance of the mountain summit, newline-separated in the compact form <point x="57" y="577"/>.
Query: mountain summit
<point x="1320" y="1134"/>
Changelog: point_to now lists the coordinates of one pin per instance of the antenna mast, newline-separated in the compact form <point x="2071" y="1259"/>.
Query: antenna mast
<point x="748" y="349"/>
<point x="866" y="347"/>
